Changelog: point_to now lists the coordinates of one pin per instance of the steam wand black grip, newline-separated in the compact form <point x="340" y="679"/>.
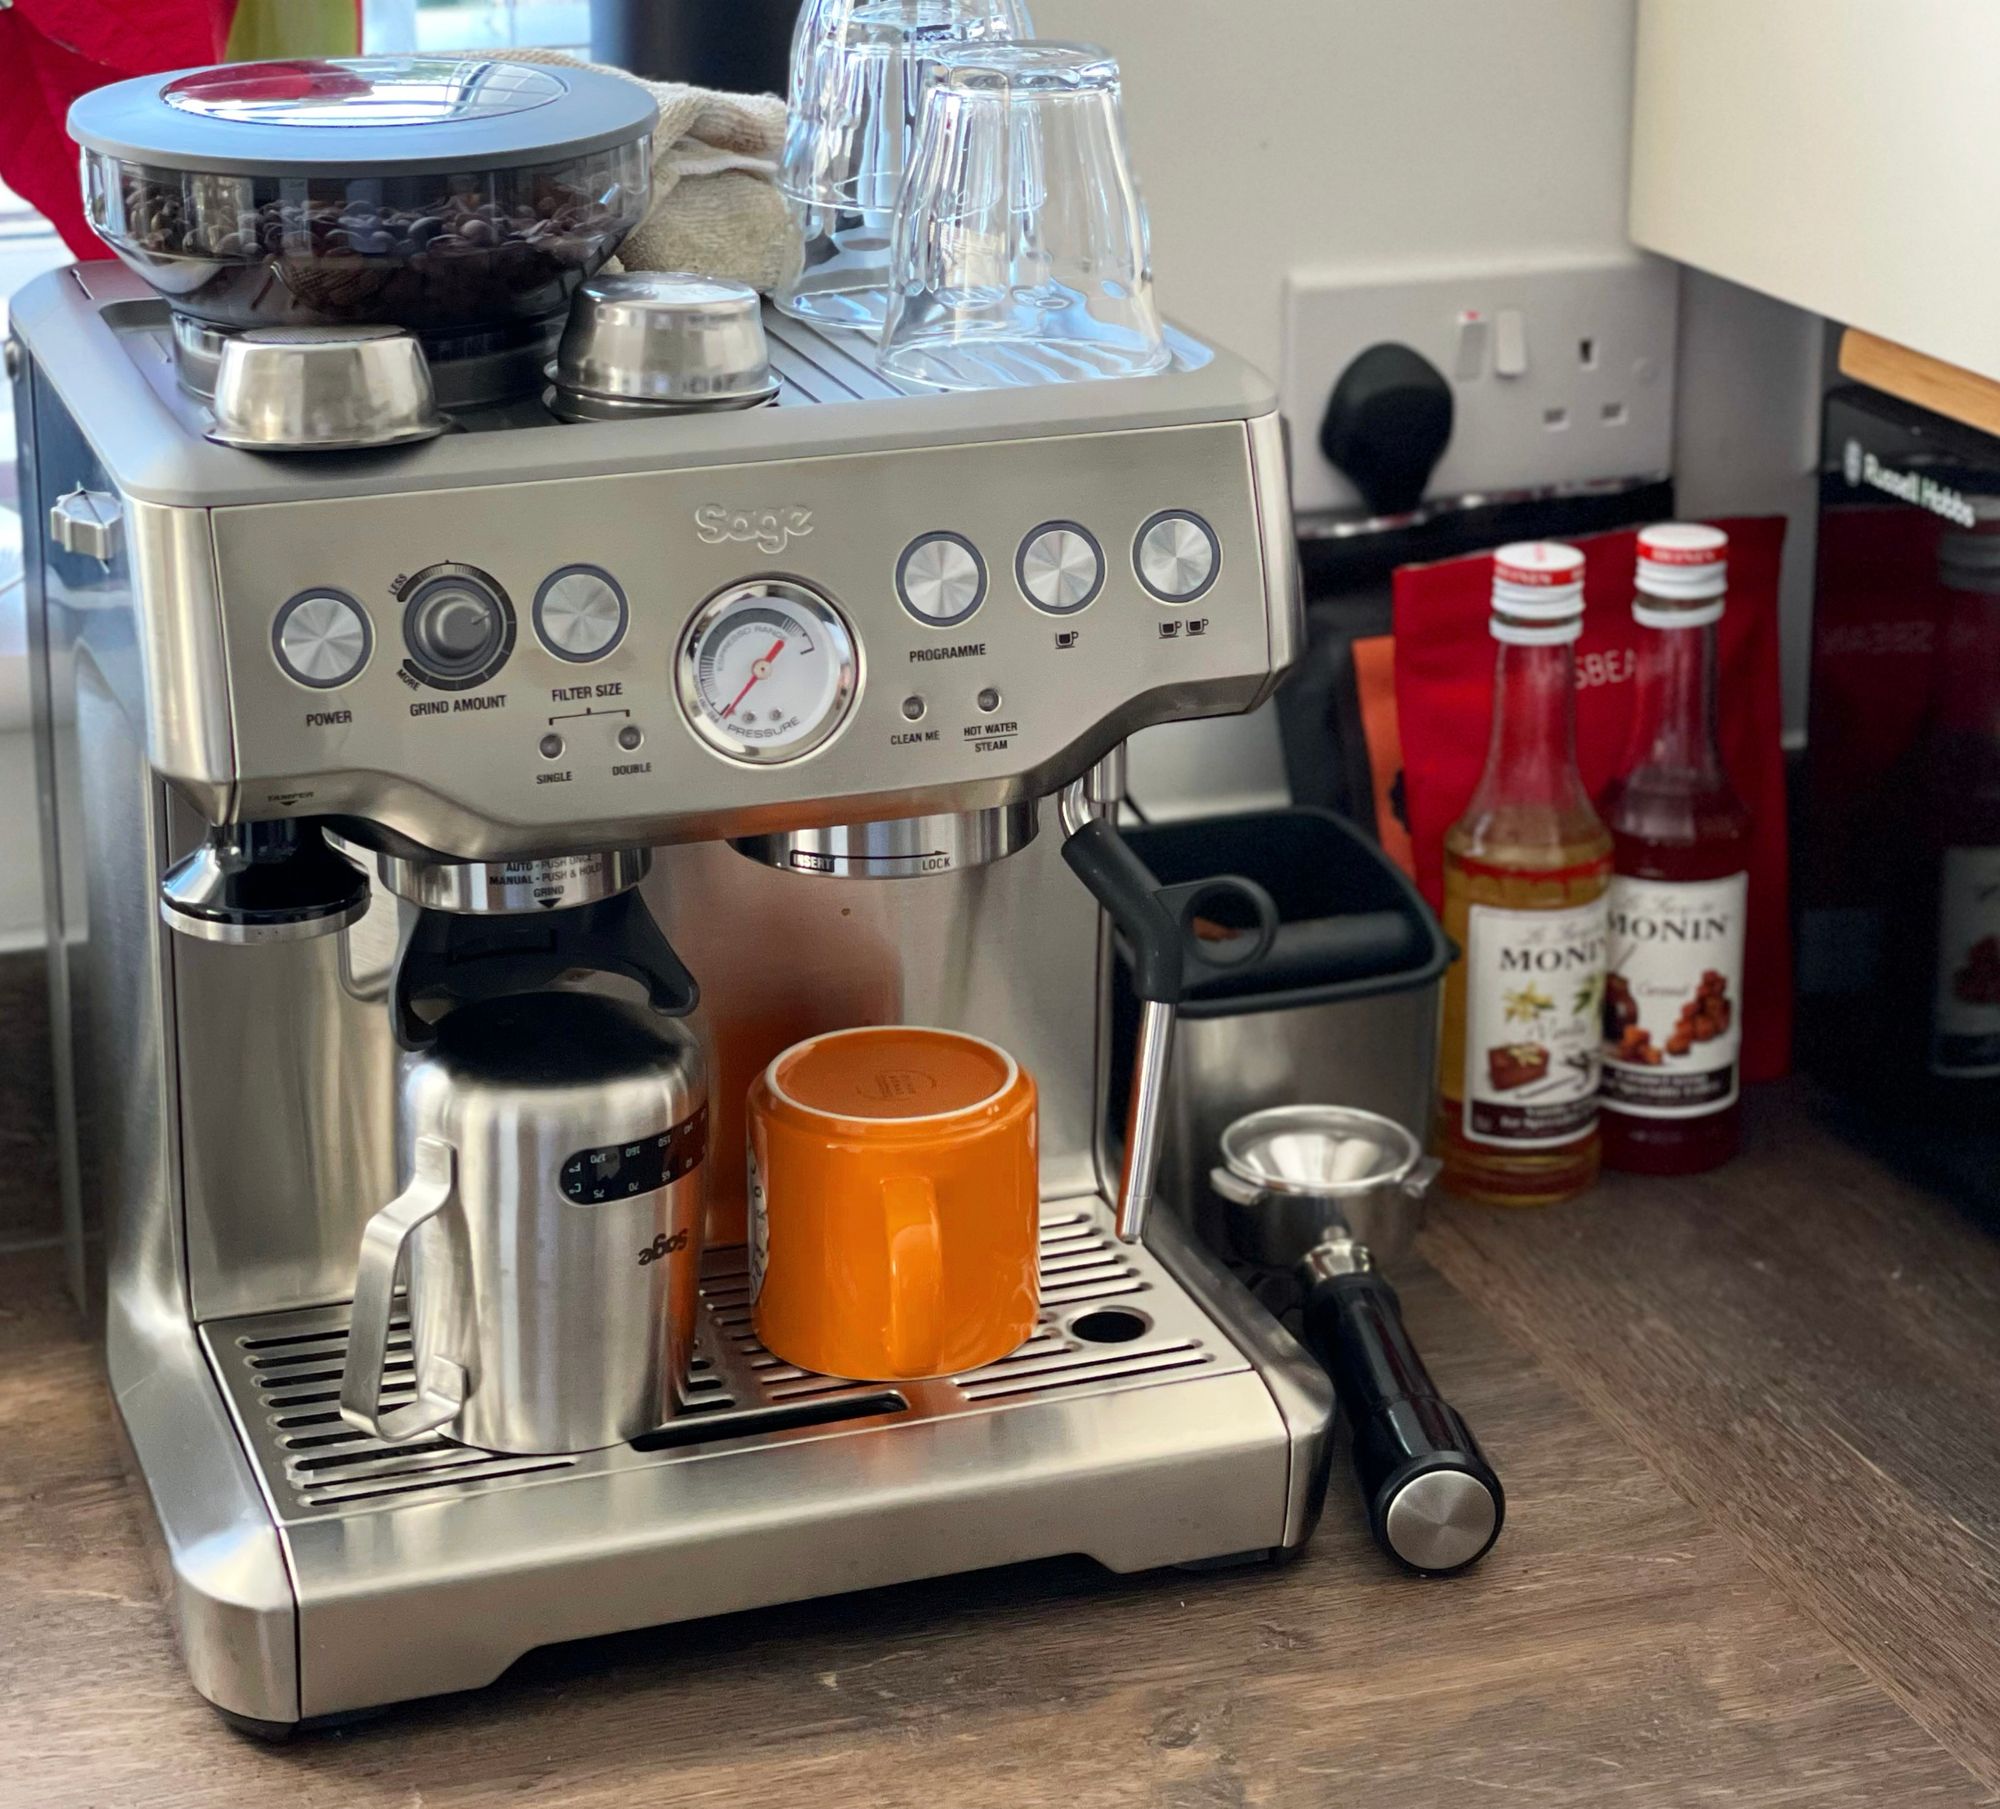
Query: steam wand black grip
<point x="1434" y="1503"/>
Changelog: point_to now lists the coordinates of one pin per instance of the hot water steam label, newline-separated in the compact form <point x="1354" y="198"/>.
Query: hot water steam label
<point x="1673" y="1018"/>
<point x="1534" y="991"/>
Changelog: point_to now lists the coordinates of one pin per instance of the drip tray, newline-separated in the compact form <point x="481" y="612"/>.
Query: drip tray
<point x="1156" y="1417"/>
<point x="1111" y="1318"/>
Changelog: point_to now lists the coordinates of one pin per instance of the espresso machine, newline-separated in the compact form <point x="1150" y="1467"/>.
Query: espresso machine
<point x="330" y="740"/>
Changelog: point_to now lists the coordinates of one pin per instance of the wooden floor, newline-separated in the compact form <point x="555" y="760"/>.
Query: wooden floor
<point x="1809" y="1352"/>
<point x="1748" y="1428"/>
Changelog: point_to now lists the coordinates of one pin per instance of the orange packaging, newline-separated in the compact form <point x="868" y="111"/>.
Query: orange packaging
<point x="894" y="1204"/>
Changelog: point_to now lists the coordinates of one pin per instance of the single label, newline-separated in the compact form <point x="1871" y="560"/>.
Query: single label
<point x="760" y="1224"/>
<point x="1534" y="991"/>
<point x="1965" y="1021"/>
<point x="1673" y="1016"/>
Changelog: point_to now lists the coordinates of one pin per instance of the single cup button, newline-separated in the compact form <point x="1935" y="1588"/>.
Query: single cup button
<point x="552" y="747"/>
<point x="1061" y="568"/>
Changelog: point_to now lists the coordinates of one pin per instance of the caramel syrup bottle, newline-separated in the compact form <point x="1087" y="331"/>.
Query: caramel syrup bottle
<point x="1526" y="871"/>
<point x="1673" y="1003"/>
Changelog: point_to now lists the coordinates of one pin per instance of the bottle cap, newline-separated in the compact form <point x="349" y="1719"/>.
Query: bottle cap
<point x="1682" y="563"/>
<point x="1537" y="593"/>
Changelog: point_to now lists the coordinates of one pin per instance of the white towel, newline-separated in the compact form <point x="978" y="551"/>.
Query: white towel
<point x="717" y="209"/>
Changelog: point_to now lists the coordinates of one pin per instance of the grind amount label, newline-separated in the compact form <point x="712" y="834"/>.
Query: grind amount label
<point x="1673" y="1018"/>
<point x="1534" y="991"/>
<point x="1965" y="1018"/>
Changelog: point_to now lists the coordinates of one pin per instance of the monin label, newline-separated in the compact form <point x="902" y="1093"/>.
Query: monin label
<point x="1534" y="995"/>
<point x="1673" y="1020"/>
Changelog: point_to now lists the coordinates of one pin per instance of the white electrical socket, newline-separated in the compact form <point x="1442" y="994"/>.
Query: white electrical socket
<point x="1594" y="401"/>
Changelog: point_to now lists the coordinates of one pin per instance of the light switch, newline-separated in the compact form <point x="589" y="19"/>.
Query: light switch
<point x="1475" y="331"/>
<point x="1510" y="343"/>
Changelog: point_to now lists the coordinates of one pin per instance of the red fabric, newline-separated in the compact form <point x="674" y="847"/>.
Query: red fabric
<point x="1444" y="698"/>
<point x="51" y="51"/>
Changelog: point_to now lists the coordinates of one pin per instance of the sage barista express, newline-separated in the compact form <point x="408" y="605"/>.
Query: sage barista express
<point x="295" y="714"/>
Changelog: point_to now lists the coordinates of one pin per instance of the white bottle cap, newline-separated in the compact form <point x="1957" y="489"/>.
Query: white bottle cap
<point x="1537" y="593"/>
<point x="1682" y="563"/>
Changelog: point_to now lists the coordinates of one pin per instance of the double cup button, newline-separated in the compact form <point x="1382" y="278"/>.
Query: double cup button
<point x="1177" y="556"/>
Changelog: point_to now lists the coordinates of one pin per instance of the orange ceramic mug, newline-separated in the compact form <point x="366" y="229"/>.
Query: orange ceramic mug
<point x="894" y="1204"/>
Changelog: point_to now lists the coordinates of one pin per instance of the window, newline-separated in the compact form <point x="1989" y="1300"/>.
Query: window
<point x="401" y="25"/>
<point x="28" y="246"/>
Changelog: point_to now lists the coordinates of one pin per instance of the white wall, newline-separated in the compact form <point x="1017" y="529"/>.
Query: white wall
<point x="1841" y="154"/>
<point x="1746" y="438"/>
<point x="1278" y="134"/>
<point x="1272" y="135"/>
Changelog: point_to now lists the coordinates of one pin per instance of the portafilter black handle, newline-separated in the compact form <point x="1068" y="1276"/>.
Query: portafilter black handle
<point x="1434" y="1502"/>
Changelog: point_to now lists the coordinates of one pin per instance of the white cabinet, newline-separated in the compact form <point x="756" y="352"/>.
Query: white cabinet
<point x="1842" y="155"/>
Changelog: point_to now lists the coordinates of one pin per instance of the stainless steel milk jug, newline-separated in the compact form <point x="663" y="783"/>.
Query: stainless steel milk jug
<point x="551" y="1147"/>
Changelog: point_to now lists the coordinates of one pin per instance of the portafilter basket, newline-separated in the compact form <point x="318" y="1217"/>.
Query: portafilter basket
<point x="1297" y="1176"/>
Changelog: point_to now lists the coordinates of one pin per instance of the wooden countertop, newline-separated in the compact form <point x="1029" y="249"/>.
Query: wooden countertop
<point x="1752" y="1556"/>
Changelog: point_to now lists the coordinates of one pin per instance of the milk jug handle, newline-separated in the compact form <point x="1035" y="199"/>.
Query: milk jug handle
<point x="441" y="1384"/>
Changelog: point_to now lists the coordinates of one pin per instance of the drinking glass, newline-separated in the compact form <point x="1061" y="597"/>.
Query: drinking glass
<point x="858" y="76"/>
<point x="1021" y="252"/>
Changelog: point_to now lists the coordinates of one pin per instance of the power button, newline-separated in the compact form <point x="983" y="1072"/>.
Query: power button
<point x="322" y="639"/>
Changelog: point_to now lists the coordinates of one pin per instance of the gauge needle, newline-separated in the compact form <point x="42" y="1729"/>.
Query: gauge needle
<point x="761" y="669"/>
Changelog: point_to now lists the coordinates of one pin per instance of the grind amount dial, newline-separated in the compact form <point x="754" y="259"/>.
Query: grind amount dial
<point x="458" y="626"/>
<point x="767" y="671"/>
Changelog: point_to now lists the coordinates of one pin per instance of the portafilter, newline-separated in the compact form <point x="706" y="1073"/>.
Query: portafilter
<point x="1322" y="1192"/>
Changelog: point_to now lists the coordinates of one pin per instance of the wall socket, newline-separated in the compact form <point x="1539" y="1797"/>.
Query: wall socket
<point x="1562" y="373"/>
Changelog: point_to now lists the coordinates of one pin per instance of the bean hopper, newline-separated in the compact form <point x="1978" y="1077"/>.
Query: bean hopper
<point x="307" y="719"/>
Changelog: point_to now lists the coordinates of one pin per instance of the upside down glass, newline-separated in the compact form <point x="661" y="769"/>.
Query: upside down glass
<point x="1021" y="246"/>
<point x="858" y="78"/>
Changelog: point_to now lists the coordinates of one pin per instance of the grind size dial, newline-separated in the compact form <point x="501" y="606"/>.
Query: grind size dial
<point x="767" y="671"/>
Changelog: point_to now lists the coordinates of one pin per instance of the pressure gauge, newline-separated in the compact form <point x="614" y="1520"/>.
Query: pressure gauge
<point x="767" y="671"/>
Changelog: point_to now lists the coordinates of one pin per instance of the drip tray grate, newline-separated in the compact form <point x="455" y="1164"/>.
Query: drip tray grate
<point x="1111" y="1318"/>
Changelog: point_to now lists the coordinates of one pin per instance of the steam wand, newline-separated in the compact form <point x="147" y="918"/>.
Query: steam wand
<point x="1157" y="923"/>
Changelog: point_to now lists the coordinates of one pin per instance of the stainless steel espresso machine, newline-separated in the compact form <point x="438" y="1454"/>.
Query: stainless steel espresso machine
<point x="320" y="733"/>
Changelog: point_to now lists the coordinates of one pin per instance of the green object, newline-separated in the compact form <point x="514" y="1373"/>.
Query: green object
<point x="264" y="29"/>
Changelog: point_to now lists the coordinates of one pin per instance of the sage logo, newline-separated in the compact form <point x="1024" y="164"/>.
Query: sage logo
<point x="661" y="1248"/>
<point x="769" y="530"/>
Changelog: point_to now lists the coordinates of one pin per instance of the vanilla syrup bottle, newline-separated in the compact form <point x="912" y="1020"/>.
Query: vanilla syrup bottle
<point x="1526" y="871"/>
<point x="1673" y="1006"/>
